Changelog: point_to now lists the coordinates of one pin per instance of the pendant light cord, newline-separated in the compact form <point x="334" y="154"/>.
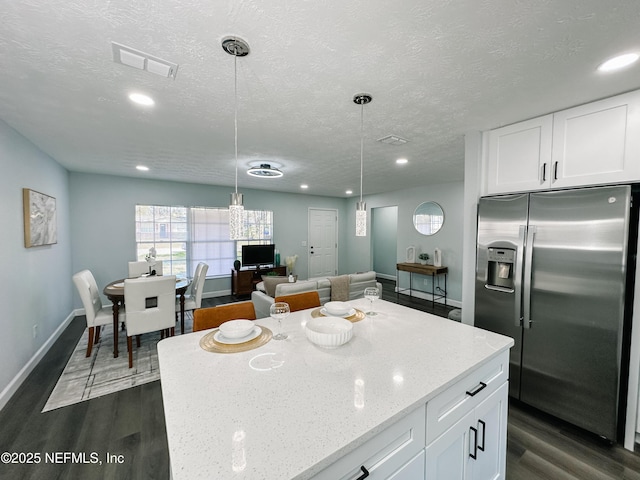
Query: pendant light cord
<point x="361" y="146"/>
<point x="235" y="108"/>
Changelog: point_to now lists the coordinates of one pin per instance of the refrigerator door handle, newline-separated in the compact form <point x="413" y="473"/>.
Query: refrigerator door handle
<point x="531" y="233"/>
<point x="517" y="280"/>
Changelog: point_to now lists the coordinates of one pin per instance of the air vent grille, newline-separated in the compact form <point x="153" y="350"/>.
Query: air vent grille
<point x="393" y="140"/>
<point x="143" y="61"/>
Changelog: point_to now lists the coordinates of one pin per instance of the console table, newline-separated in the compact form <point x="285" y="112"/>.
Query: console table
<point x="420" y="269"/>
<point x="244" y="281"/>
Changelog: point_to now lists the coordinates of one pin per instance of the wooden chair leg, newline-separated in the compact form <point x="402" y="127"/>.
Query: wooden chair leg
<point x="97" y="334"/>
<point x="137" y="341"/>
<point x="162" y="332"/>
<point x="173" y="331"/>
<point x="90" y="344"/>
<point x="130" y="350"/>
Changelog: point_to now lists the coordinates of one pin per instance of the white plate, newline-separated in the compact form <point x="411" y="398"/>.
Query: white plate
<point x="352" y="311"/>
<point x="218" y="337"/>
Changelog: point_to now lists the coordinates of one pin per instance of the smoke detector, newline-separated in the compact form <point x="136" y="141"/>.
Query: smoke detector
<point x="265" y="170"/>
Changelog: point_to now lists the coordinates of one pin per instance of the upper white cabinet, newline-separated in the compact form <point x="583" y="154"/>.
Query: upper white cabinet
<point x="597" y="143"/>
<point x="519" y="156"/>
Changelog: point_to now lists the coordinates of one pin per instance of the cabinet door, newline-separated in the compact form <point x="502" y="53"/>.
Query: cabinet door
<point x="447" y="456"/>
<point x="597" y="143"/>
<point x="519" y="156"/>
<point x="491" y="426"/>
<point x="413" y="470"/>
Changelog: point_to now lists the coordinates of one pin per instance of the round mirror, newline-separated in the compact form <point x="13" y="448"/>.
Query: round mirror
<point x="428" y="218"/>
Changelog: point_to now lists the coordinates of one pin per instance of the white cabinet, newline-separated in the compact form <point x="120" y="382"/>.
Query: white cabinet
<point x="467" y="426"/>
<point x="593" y="144"/>
<point x="519" y="156"/>
<point x="597" y="143"/>
<point x="395" y="453"/>
<point x="475" y="446"/>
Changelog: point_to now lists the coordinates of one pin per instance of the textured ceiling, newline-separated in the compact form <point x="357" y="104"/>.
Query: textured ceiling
<point x="435" y="68"/>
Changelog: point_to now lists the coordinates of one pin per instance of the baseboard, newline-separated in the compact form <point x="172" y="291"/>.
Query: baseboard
<point x="427" y="296"/>
<point x="386" y="276"/>
<point x="218" y="293"/>
<point x="22" y="375"/>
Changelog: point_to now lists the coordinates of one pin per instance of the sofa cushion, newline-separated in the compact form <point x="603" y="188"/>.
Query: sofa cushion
<point x="297" y="287"/>
<point x="360" y="281"/>
<point x="270" y="283"/>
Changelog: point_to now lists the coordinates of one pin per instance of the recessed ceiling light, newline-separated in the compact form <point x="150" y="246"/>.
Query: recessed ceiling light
<point x="304" y="186"/>
<point x="142" y="168"/>
<point x="616" y="63"/>
<point x="402" y="161"/>
<point x="349" y="192"/>
<point x="141" y="99"/>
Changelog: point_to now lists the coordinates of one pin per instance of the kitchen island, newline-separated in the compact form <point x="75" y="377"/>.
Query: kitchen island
<point x="412" y="395"/>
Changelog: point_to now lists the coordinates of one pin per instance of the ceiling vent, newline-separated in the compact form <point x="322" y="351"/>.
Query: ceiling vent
<point x="143" y="61"/>
<point x="393" y="140"/>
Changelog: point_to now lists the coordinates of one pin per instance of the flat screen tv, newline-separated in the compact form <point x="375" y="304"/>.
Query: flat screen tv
<point x="257" y="255"/>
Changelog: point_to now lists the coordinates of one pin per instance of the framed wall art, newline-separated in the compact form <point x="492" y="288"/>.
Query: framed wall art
<point x="40" y="219"/>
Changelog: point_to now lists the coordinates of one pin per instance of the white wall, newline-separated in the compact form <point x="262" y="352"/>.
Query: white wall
<point x="36" y="284"/>
<point x="448" y="239"/>
<point x="384" y="239"/>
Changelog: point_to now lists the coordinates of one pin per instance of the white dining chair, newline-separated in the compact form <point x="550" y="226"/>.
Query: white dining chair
<point x="193" y="299"/>
<point x="150" y="307"/>
<point x="137" y="269"/>
<point x="96" y="314"/>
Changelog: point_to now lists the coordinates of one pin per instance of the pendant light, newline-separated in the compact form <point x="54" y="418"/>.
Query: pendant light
<point x="361" y="207"/>
<point x="238" y="48"/>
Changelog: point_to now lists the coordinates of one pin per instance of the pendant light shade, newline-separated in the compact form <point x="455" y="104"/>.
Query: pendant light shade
<point x="236" y="217"/>
<point x="361" y="207"/>
<point x="238" y="48"/>
<point x="361" y="219"/>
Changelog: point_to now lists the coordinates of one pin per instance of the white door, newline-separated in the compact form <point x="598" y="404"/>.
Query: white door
<point x="323" y="242"/>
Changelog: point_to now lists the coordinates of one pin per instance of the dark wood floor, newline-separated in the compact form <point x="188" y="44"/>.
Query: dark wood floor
<point x="130" y="424"/>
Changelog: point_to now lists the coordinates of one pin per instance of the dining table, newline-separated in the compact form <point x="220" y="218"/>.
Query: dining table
<point x="114" y="291"/>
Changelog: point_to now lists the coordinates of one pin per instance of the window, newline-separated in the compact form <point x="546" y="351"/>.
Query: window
<point x="185" y="236"/>
<point x="164" y="228"/>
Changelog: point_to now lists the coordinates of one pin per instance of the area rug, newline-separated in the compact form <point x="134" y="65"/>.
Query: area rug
<point x="85" y="378"/>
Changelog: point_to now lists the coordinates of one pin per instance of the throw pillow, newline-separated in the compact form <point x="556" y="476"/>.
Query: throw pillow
<point x="270" y="283"/>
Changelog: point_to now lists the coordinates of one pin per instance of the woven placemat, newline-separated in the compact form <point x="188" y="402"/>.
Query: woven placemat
<point x="356" y="317"/>
<point x="209" y="344"/>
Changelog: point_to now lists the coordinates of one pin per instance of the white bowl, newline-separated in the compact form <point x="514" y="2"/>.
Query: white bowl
<point x="329" y="332"/>
<point x="236" y="328"/>
<point x="337" y="308"/>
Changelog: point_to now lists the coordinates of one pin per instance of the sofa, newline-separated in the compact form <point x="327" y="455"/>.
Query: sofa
<point x="357" y="283"/>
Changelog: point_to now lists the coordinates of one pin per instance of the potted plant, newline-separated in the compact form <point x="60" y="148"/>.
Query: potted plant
<point x="423" y="257"/>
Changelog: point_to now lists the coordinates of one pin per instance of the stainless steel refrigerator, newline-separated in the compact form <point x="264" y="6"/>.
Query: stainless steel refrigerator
<point x="551" y="273"/>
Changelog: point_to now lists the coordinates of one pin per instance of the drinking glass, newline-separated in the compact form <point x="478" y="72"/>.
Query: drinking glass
<point x="371" y="294"/>
<point x="279" y="311"/>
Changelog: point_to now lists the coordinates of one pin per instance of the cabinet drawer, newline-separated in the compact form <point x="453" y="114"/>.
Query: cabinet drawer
<point x="455" y="402"/>
<point x="384" y="454"/>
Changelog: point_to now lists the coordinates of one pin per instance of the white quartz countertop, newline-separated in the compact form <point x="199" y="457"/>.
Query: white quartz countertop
<point x="289" y="409"/>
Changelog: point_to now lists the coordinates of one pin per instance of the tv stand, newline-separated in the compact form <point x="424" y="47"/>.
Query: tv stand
<point x="244" y="281"/>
